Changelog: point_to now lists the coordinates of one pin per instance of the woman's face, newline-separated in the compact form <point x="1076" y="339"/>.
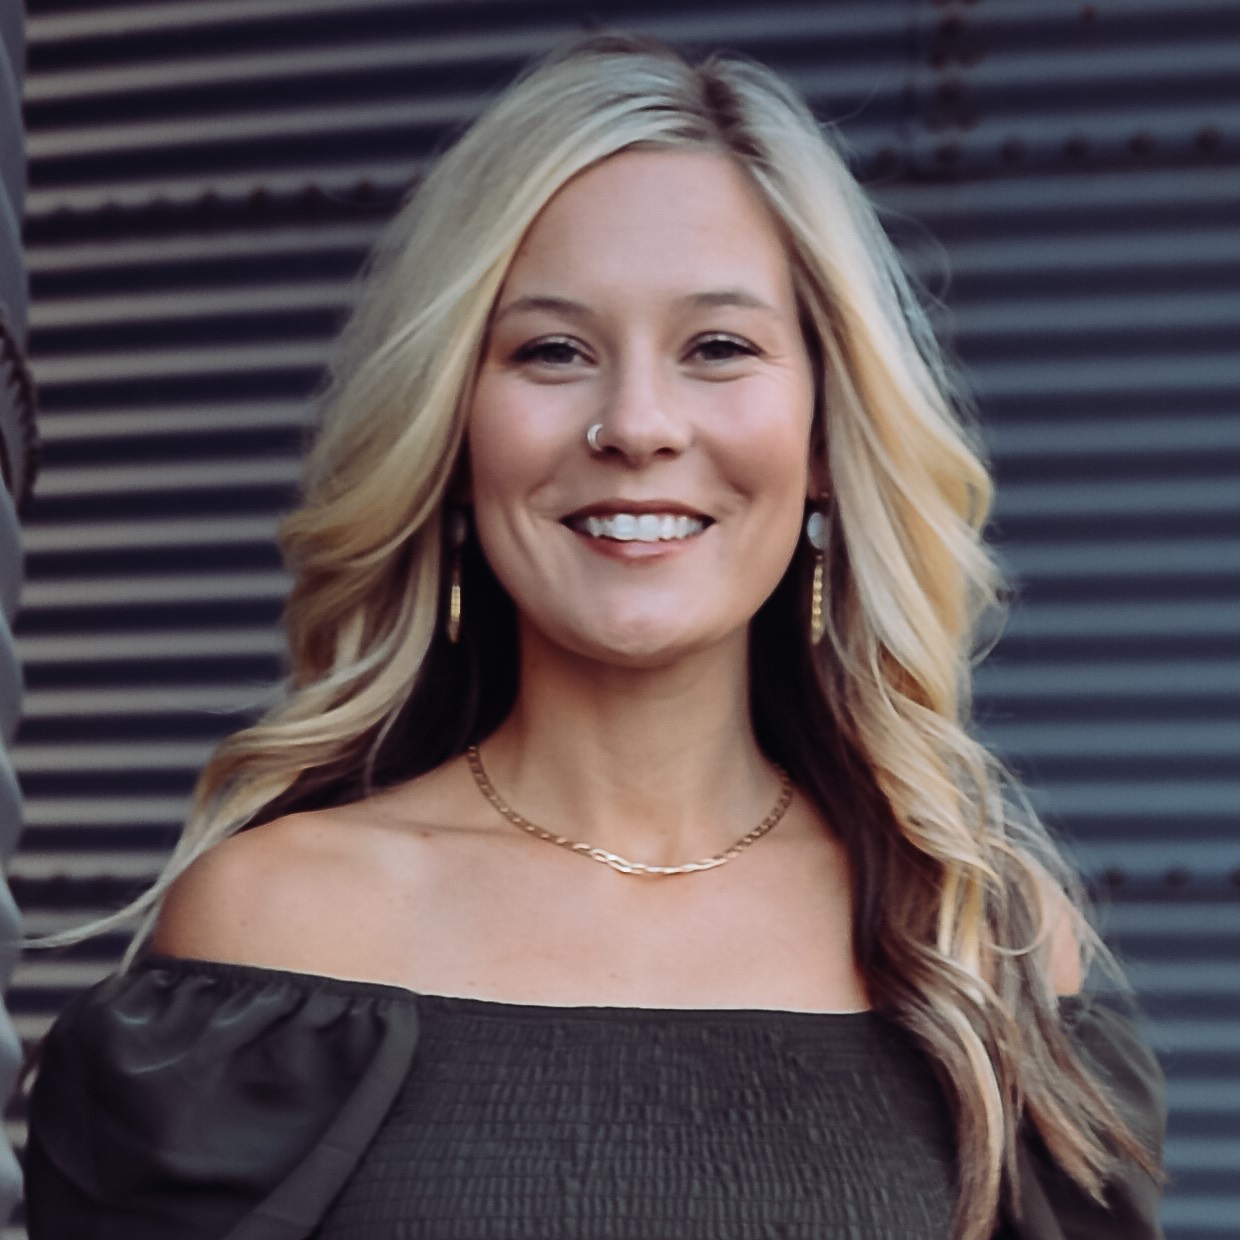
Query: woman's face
<point x="652" y="295"/>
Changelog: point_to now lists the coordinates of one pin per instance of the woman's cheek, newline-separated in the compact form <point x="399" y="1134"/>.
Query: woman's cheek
<point x="760" y="436"/>
<point x="518" y="428"/>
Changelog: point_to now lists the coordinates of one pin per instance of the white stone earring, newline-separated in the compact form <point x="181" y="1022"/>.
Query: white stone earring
<point x="818" y="531"/>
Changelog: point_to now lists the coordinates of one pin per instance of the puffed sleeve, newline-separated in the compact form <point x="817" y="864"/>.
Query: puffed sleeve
<point x="202" y="1100"/>
<point x="1053" y="1206"/>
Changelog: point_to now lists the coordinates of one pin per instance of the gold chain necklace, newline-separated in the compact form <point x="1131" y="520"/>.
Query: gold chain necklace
<point x="487" y="789"/>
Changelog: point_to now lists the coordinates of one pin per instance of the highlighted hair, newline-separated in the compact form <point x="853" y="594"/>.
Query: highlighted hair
<point x="951" y="865"/>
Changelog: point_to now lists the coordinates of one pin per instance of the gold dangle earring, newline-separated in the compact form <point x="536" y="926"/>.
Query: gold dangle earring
<point x="818" y="531"/>
<point x="457" y="531"/>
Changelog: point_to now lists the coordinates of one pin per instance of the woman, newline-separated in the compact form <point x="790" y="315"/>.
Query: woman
<point x="618" y="861"/>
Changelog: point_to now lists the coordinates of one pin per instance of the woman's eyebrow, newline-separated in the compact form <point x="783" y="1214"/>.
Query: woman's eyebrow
<point x="558" y="305"/>
<point x="579" y="310"/>
<point x="729" y="297"/>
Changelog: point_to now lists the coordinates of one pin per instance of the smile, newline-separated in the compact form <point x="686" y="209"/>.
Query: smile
<point x="647" y="527"/>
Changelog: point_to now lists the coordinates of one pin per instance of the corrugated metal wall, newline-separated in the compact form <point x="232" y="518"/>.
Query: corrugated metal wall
<point x="18" y="457"/>
<point x="205" y="179"/>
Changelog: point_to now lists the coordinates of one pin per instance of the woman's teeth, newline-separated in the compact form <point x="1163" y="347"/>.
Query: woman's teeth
<point x="646" y="527"/>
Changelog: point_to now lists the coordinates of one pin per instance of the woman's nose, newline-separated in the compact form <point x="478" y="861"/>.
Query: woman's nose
<point x="642" y="417"/>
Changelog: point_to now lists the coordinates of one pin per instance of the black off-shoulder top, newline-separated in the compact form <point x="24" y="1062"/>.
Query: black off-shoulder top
<point x="202" y="1100"/>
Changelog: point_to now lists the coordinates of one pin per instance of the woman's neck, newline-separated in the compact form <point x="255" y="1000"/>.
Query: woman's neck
<point x="658" y="765"/>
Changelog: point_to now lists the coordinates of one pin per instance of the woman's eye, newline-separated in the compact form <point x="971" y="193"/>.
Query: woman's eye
<point x="556" y="352"/>
<point x="723" y="348"/>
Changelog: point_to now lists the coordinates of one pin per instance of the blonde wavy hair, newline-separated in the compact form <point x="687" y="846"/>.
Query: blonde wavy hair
<point x="951" y="864"/>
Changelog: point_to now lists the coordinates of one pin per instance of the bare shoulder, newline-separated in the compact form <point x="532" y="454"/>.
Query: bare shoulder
<point x="326" y="890"/>
<point x="274" y="895"/>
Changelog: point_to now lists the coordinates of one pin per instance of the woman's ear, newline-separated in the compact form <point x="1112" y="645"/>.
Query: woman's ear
<point x="460" y="490"/>
<point x="818" y="480"/>
<point x="818" y="475"/>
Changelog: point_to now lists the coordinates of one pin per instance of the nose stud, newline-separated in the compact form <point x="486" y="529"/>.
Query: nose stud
<point x="592" y="439"/>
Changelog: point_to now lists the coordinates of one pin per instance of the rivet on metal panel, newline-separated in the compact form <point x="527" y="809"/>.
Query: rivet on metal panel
<point x="884" y="159"/>
<point x="971" y="55"/>
<point x="1209" y="138"/>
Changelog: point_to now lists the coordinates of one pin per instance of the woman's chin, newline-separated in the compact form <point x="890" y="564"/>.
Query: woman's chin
<point x="641" y="645"/>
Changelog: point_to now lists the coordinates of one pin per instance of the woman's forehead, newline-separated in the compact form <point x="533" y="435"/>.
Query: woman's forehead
<point x="676" y="225"/>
